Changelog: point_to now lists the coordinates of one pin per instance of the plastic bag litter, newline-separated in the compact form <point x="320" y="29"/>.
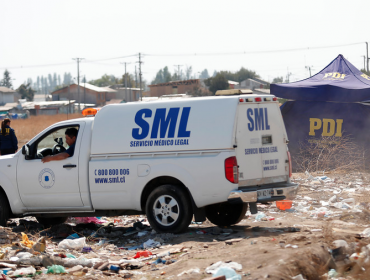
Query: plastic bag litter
<point x="366" y="232"/>
<point x="25" y="271"/>
<point x="151" y="243"/>
<point x="78" y="243"/>
<point x="228" y="272"/>
<point x="56" y="269"/>
<point x="69" y="262"/>
<point x="260" y="216"/>
<point x="212" y="269"/>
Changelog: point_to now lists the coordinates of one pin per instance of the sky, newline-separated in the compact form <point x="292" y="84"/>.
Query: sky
<point x="271" y="37"/>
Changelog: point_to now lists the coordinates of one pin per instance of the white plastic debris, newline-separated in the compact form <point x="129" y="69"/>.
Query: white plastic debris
<point x="228" y="272"/>
<point x="190" y="271"/>
<point x="75" y="244"/>
<point x="234" y="265"/>
<point x="151" y="243"/>
<point x="25" y="271"/>
<point x="366" y="232"/>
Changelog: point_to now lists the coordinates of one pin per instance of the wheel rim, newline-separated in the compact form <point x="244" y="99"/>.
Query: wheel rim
<point x="166" y="210"/>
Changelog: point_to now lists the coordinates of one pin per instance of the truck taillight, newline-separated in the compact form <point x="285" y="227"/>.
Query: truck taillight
<point x="231" y="170"/>
<point x="290" y="164"/>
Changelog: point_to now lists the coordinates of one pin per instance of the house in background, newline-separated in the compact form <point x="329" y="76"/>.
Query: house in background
<point x="88" y="94"/>
<point x="122" y="93"/>
<point x="6" y="95"/>
<point x="252" y="84"/>
<point x="176" y="87"/>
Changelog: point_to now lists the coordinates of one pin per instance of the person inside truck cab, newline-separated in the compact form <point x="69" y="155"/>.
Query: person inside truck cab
<point x="71" y="135"/>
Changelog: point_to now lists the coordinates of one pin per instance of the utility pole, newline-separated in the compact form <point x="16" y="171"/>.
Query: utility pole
<point x="364" y="60"/>
<point x="84" y="91"/>
<point x="140" y="74"/>
<point x="178" y="71"/>
<point x="135" y="77"/>
<point x="78" y="59"/>
<point x="125" y="79"/>
<point x="367" y="56"/>
<point x="309" y="69"/>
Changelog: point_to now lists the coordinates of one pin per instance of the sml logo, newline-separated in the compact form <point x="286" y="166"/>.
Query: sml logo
<point x="329" y="127"/>
<point x="162" y="124"/>
<point x="258" y="119"/>
<point x="334" y="76"/>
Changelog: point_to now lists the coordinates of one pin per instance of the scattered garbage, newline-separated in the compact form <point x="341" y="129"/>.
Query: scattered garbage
<point x="214" y="267"/>
<point x="75" y="244"/>
<point x="228" y="272"/>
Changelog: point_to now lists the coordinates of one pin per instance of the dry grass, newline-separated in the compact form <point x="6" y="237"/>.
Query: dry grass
<point x="28" y="128"/>
<point x="338" y="154"/>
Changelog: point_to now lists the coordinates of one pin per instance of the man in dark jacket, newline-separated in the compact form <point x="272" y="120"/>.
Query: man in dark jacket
<point x="8" y="140"/>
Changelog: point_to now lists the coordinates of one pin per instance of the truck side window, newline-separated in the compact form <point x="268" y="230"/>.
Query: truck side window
<point x="52" y="143"/>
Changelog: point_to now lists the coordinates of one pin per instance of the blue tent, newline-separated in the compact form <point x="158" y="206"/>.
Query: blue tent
<point x="340" y="81"/>
<point x="332" y="103"/>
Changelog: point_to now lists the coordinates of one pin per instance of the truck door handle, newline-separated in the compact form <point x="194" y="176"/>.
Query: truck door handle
<point x="69" y="166"/>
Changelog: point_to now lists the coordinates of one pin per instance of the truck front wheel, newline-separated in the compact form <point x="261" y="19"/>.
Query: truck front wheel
<point x="226" y="213"/>
<point x="51" y="221"/>
<point x="168" y="209"/>
<point x="4" y="210"/>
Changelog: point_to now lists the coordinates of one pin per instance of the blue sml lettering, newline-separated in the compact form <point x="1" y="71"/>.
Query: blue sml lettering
<point x="260" y="121"/>
<point x="165" y="124"/>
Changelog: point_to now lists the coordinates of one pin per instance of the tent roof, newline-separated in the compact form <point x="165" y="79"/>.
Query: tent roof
<point x="339" y="81"/>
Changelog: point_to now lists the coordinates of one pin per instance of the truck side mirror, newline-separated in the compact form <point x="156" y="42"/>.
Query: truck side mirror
<point x="26" y="150"/>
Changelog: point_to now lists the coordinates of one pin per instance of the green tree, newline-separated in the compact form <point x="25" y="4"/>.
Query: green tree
<point x="278" y="80"/>
<point x="162" y="76"/>
<point x="204" y="74"/>
<point x="104" y="81"/>
<point x="6" y="81"/>
<point x="219" y="82"/>
<point x="240" y="75"/>
<point x="26" y="92"/>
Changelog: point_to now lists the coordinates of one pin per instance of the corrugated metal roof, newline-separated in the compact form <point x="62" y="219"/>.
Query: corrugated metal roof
<point x="5" y="89"/>
<point x="95" y="88"/>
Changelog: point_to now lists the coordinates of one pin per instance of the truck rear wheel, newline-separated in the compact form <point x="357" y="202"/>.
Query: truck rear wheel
<point x="168" y="209"/>
<point x="51" y="221"/>
<point x="226" y="213"/>
<point x="4" y="210"/>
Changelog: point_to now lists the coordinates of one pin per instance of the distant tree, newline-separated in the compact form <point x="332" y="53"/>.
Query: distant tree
<point x="59" y="80"/>
<point x="26" y="92"/>
<point x="105" y="81"/>
<point x="240" y="75"/>
<point x="162" y="76"/>
<point x="278" y="80"/>
<point x="214" y="73"/>
<point x="204" y="74"/>
<point x="6" y="81"/>
<point x="188" y="72"/>
<point x="219" y="82"/>
<point x="198" y="91"/>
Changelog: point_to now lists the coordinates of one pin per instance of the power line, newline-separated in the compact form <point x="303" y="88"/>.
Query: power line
<point x="254" y="52"/>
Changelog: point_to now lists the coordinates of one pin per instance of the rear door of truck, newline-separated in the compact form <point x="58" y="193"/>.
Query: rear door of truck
<point x="261" y="142"/>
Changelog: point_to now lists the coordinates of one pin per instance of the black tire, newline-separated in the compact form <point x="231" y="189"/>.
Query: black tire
<point x="52" y="221"/>
<point x="4" y="210"/>
<point x="226" y="213"/>
<point x="168" y="209"/>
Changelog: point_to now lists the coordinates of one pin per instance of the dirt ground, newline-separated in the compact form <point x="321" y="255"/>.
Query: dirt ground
<point x="282" y="245"/>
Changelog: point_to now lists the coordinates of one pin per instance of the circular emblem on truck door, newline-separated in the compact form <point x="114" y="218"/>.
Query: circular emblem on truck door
<point x="46" y="178"/>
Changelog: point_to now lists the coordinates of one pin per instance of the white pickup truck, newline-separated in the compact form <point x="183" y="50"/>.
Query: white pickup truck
<point x="172" y="160"/>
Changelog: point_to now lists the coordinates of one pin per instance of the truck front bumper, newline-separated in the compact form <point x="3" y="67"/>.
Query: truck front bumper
<point x="276" y="191"/>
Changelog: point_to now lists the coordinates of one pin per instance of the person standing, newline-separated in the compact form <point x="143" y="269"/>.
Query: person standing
<point x="8" y="140"/>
